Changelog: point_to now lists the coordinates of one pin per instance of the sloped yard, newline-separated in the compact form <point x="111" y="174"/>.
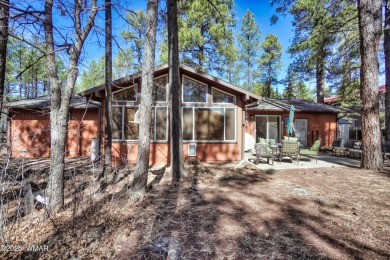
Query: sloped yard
<point x="221" y="213"/>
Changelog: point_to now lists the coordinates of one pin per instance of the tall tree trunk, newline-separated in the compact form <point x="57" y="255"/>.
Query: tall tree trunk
<point x="370" y="25"/>
<point x="176" y="138"/>
<point x="387" y="68"/>
<point x="141" y="170"/>
<point x="248" y="80"/>
<point x="269" y="82"/>
<point x="60" y="97"/>
<point x="139" y="56"/>
<point x="320" y="77"/>
<point x="57" y="120"/>
<point x="108" y="100"/>
<point x="4" y="15"/>
<point x="267" y="92"/>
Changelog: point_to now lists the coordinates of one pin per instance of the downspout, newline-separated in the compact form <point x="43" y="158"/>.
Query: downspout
<point x="243" y="134"/>
<point x="100" y="131"/>
<point x="243" y="160"/>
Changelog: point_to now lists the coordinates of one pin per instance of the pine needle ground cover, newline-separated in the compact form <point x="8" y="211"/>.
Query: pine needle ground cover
<point x="217" y="212"/>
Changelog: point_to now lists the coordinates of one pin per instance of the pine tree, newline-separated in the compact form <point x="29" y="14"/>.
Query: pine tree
<point x="295" y="87"/>
<point x="370" y="29"/>
<point x="138" y="188"/>
<point x="229" y="69"/>
<point x="319" y="28"/>
<point x="92" y="76"/>
<point x="270" y="62"/>
<point x="249" y="42"/>
<point x="176" y="138"/>
<point x="386" y="44"/>
<point x="123" y="65"/>
<point x="4" y="15"/>
<point x="135" y="35"/>
<point x="26" y="74"/>
<point x="204" y="32"/>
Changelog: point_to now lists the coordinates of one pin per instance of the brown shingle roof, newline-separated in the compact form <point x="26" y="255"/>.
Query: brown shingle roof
<point x="44" y="102"/>
<point x="269" y="104"/>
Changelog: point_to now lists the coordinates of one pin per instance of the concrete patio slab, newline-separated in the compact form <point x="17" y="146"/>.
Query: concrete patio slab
<point x="306" y="162"/>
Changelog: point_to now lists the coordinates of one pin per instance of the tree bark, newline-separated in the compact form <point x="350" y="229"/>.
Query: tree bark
<point x="108" y="100"/>
<point x="4" y="16"/>
<point x="176" y="138"/>
<point x="141" y="170"/>
<point x="57" y="120"/>
<point x="370" y="25"/>
<point x="387" y="68"/>
<point x="60" y="97"/>
<point x="320" y="77"/>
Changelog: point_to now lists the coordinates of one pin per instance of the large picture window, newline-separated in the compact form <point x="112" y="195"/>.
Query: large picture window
<point x="194" y="91"/>
<point x="209" y="124"/>
<point x="160" y="89"/>
<point x="127" y="94"/>
<point x="125" y="128"/>
<point x="220" y="96"/>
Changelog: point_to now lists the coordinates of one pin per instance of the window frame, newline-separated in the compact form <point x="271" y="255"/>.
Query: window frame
<point x="212" y="98"/>
<point x="224" y="121"/>
<point x="279" y="130"/>
<point x="166" y="89"/>
<point x="135" y="86"/>
<point x="153" y="140"/>
<point x="182" y="91"/>
<point x="166" y="128"/>
<point x="189" y="149"/>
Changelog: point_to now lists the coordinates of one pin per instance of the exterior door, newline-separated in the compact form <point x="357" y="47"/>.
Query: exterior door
<point x="301" y="131"/>
<point x="268" y="127"/>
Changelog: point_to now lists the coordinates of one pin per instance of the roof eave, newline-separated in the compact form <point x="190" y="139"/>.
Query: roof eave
<point x="248" y="94"/>
<point x="119" y="81"/>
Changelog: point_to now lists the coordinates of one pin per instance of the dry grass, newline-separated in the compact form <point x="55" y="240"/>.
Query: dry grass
<point x="222" y="213"/>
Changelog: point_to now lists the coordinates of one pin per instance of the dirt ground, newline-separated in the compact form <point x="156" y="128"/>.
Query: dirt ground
<point x="218" y="212"/>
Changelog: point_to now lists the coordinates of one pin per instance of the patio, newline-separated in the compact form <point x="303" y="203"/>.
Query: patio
<point x="306" y="162"/>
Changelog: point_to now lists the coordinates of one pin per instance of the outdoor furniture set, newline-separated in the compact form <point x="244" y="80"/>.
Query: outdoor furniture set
<point x="290" y="147"/>
<point x="352" y="148"/>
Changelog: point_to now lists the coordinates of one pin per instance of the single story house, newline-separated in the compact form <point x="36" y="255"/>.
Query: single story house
<point x="28" y="127"/>
<point x="267" y="118"/>
<point x="215" y="115"/>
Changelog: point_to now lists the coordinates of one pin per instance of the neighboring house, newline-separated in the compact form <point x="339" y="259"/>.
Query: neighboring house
<point x="335" y="100"/>
<point x="216" y="116"/>
<point x="28" y="127"/>
<point x="350" y="122"/>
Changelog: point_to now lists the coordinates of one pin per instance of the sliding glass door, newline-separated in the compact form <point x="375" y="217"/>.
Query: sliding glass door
<point x="268" y="127"/>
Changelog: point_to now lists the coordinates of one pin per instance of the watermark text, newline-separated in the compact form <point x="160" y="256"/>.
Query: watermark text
<point x="29" y="248"/>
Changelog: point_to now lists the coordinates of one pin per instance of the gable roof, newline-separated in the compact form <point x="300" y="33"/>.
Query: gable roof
<point x="163" y="69"/>
<point x="76" y="102"/>
<point x="269" y="104"/>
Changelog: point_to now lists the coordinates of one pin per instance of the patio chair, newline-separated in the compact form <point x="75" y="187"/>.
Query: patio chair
<point x="312" y="151"/>
<point x="289" y="149"/>
<point x="262" y="151"/>
<point x="263" y="141"/>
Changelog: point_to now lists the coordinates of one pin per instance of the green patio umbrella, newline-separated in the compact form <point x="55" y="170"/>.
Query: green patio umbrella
<point x="290" y="126"/>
